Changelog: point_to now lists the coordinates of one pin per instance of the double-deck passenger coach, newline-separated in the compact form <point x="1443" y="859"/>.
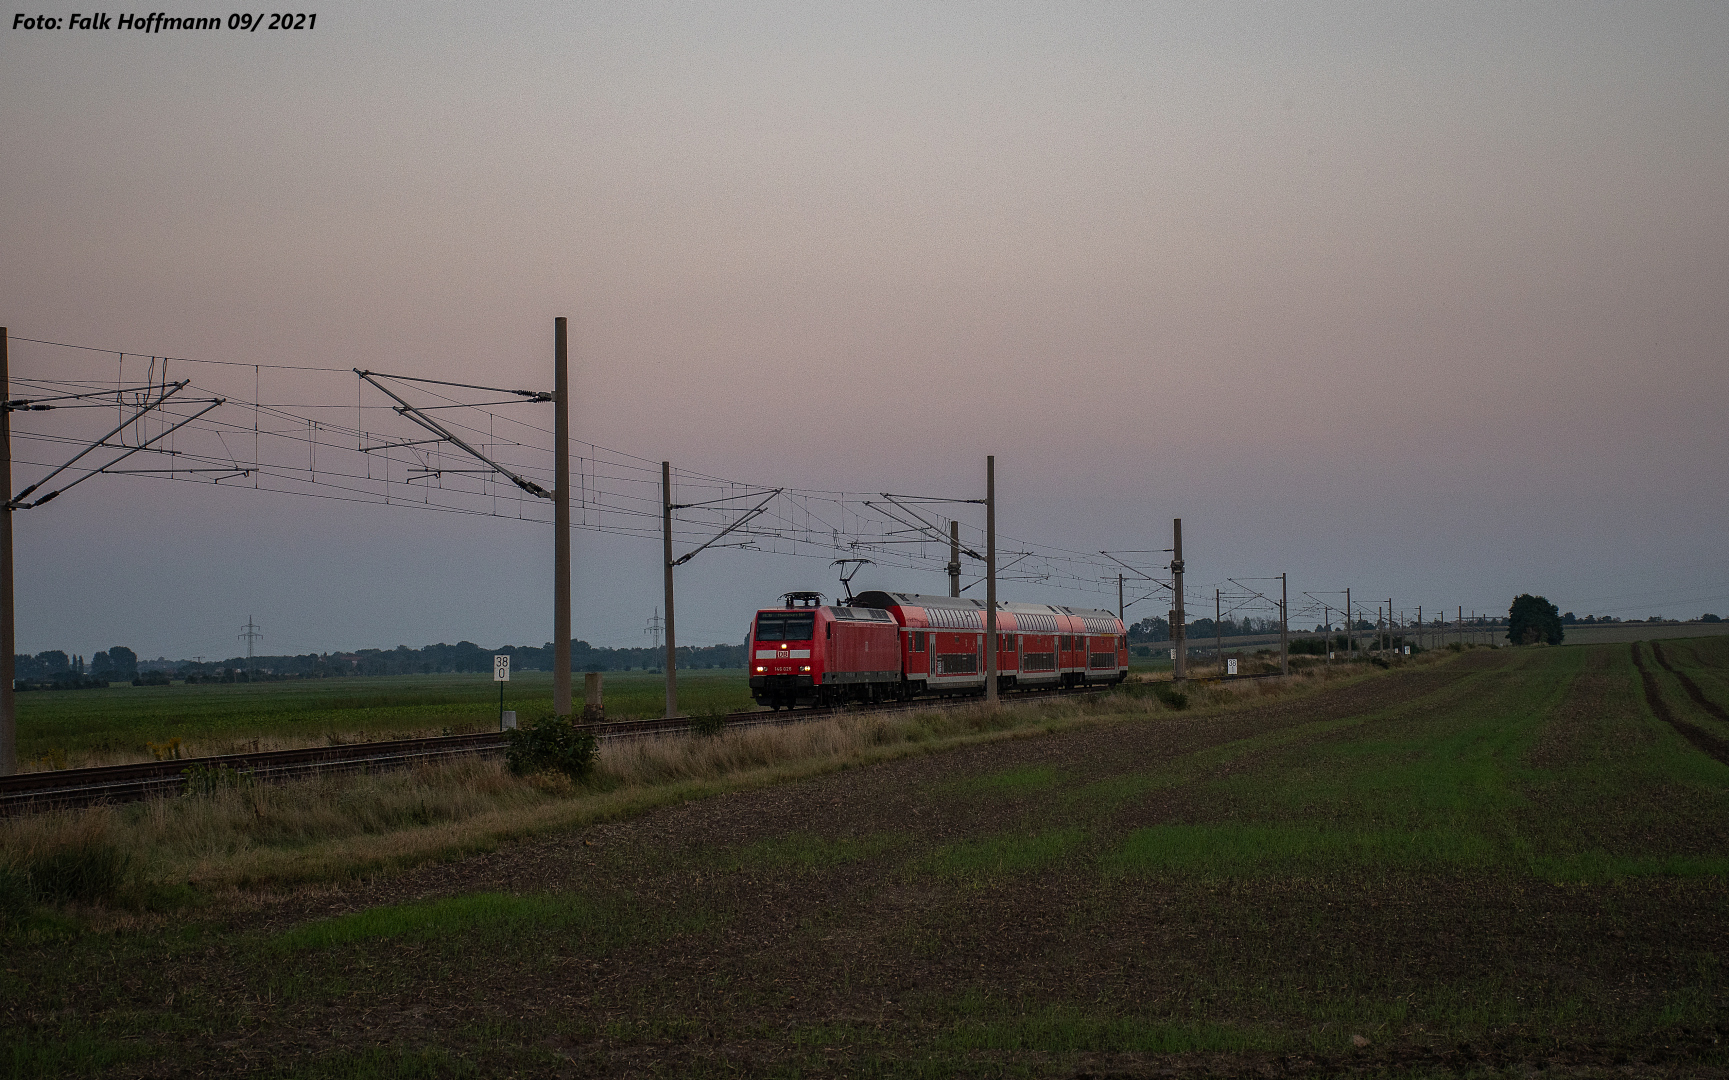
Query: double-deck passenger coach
<point x="894" y="646"/>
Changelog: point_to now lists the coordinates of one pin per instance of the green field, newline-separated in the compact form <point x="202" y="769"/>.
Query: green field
<point x="1499" y="863"/>
<point x="116" y="724"/>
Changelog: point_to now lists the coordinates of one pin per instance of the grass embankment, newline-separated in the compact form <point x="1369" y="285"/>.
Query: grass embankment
<point x="249" y="836"/>
<point x="1502" y="862"/>
<point x="74" y="728"/>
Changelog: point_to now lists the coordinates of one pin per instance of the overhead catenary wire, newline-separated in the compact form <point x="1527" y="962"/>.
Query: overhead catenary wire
<point x="304" y="445"/>
<point x="303" y="448"/>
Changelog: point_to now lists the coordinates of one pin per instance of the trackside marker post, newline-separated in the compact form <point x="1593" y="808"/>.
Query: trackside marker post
<point x="501" y="675"/>
<point x="592" y="709"/>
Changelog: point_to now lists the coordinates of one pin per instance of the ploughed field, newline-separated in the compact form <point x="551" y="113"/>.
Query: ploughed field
<point x="1510" y="860"/>
<point x="1603" y="633"/>
<point x="120" y="723"/>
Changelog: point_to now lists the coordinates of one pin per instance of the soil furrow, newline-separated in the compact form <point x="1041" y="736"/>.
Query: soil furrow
<point x="902" y="919"/>
<point x="1690" y="686"/>
<point x="1703" y="740"/>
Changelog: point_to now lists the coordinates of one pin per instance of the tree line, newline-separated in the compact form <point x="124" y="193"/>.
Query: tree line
<point x="55" y="669"/>
<point x="115" y="664"/>
<point x="1158" y="628"/>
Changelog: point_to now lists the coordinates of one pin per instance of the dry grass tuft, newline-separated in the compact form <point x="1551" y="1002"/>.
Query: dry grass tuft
<point x="211" y="746"/>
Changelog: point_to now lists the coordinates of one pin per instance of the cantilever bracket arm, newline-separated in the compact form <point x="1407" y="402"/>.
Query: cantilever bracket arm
<point x="1146" y="596"/>
<point x="531" y="395"/>
<point x="18" y="503"/>
<point x="724" y="499"/>
<point x="760" y="507"/>
<point x="414" y="414"/>
<point x="1252" y="592"/>
<point x="932" y="499"/>
<point x="923" y="526"/>
<point x="1136" y="569"/>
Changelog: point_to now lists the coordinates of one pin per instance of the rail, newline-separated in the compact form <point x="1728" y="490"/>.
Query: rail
<point x="67" y="788"/>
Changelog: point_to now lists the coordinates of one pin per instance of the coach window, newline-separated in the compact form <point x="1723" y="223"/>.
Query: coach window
<point x="918" y="641"/>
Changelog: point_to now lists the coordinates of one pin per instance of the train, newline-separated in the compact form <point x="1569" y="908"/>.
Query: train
<point x="883" y="646"/>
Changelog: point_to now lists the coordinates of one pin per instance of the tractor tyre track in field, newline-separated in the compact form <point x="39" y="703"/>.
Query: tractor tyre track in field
<point x="892" y="795"/>
<point x="1706" y="742"/>
<point x="907" y="943"/>
<point x="1690" y="686"/>
<point x="753" y="963"/>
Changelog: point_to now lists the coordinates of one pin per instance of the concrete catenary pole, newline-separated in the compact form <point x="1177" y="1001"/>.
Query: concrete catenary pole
<point x="666" y="552"/>
<point x="1179" y="620"/>
<point x="1120" y="600"/>
<point x="991" y="578"/>
<point x="1218" y="631"/>
<point x="954" y="567"/>
<point x="560" y="518"/>
<point x="1389" y="624"/>
<point x="1284" y="625"/>
<point x="1350" y="630"/>
<point x="8" y="639"/>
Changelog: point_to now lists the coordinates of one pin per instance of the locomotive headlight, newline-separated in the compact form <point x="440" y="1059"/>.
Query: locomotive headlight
<point x="760" y="669"/>
<point x="805" y="668"/>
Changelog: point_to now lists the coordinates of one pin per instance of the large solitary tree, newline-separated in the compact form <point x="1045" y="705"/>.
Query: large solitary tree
<point x="1532" y="619"/>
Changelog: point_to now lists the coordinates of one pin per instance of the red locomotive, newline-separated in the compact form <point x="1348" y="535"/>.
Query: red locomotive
<point x="892" y="646"/>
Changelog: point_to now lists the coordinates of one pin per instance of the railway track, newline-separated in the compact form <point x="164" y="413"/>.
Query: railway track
<point x="65" y="788"/>
<point x="143" y="780"/>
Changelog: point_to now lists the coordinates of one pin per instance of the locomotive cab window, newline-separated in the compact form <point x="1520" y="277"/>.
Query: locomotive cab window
<point x="787" y="627"/>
